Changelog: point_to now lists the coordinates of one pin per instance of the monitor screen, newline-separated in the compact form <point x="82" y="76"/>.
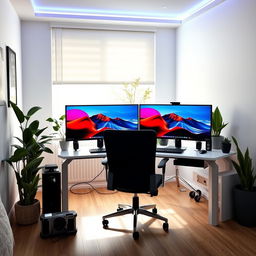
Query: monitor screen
<point x="89" y="121"/>
<point x="188" y="122"/>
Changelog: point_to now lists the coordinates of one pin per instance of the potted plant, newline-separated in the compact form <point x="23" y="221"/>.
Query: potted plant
<point x="226" y="145"/>
<point x="57" y="125"/>
<point x="245" y="192"/>
<point x="217" y="126"/>
<point x="25" y="161"/>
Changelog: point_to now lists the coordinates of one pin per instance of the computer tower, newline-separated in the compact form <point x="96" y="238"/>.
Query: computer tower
<point x="51" y="188"/>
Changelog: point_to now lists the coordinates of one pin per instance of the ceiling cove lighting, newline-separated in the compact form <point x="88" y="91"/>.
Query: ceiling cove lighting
<point x="97" y="14"/>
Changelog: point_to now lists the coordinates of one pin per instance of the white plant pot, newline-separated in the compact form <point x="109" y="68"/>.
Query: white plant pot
<point x="217" y="142"/>
<point x="64" y="145"/>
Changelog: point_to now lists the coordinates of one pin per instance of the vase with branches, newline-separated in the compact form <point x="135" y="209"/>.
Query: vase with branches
<point x="135" y="94"/>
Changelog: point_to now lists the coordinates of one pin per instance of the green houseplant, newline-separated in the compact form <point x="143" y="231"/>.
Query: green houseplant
<point x="57" y="125"/>
<point x="245" y="192"/>
<point x="217" y="126"/>
<point x="25" y="161"/>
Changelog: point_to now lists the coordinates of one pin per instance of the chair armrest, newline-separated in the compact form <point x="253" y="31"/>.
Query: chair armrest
<point x="162" y="163"/>
<point x="104" y="161"/>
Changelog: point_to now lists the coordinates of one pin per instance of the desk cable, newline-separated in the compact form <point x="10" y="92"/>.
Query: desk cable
<point x="92" y="187"/>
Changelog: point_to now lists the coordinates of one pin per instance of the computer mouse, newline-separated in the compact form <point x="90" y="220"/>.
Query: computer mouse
<point x="202" y="151"/>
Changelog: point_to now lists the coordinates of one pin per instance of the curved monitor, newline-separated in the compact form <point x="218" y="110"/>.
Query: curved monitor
<point x="188" y="122"/>
<point x="90" y="121"/>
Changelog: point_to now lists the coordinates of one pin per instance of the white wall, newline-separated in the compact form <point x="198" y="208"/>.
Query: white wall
<point x="36" y="67"/>
<point x="216" y="61"/>
<point x="165" y="65"/>
<point x="9" y="36"/>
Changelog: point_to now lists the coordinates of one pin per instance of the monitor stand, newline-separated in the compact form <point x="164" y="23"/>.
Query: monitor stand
<point x="177" y="143"/>
<point x="99" y="148"/>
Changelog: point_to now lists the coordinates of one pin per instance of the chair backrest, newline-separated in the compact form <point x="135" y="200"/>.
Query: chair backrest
<point x="131" y="159"/>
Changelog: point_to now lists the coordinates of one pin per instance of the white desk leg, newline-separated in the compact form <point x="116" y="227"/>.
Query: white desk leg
<point x="64" y="180"/>
<point x="213" y="194"/>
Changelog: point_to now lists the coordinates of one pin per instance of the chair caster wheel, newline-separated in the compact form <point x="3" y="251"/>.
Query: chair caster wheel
<point x="105" y="223"/>
<point x="166" y="227"/>
<point x="154" y="210"/>
<point x="119" y="209"/>
<point x="192" y="194"/>
<point x="197" y="198"/>
<point x="135" y="235"/>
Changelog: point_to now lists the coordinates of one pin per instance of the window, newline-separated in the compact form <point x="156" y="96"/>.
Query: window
<point x="89" y="66"/>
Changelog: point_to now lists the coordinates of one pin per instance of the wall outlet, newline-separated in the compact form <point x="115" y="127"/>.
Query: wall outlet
<point x="201" y="179"/>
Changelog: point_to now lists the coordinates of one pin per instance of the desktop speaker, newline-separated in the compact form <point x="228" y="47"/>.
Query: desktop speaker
<point x="59" y="223"/>
<point x="75" y="145"/>
<point x="100" y="143"/>
<point x="198" y="145"/>
<point x="51" y="189"/>
<point x="208" y="143"/>
<point x="178" y="143"/>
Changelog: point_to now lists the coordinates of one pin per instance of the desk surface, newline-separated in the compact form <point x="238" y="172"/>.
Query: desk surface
<point x="213" y="155"/>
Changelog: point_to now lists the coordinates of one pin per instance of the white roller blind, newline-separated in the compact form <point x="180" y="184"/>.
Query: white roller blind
<point x="82" y="56"/>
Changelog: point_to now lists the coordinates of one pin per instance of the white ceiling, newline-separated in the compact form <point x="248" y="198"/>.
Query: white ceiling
<point x="171" y="12"/>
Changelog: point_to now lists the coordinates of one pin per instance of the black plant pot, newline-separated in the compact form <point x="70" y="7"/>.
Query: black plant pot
<point x="245" y="206"/>
<point x="225" y="147"/>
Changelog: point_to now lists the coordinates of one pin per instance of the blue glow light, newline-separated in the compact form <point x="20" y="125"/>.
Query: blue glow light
<point x="79" y="13"/>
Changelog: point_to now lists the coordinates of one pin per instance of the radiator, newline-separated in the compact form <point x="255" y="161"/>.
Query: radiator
<point x="79" y="170"/>
<point x="82" y="170"/>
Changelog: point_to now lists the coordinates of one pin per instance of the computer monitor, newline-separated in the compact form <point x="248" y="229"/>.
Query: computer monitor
<point x="85" y="122"/>
<point x="188" y="122"/>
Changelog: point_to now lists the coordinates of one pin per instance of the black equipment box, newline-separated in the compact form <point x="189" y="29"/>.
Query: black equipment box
<point x="59" y="223"/>
<point x="51" y="189"/>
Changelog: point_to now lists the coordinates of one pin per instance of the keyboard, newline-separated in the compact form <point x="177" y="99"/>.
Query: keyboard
<point x="97" y="150"/>
<point x="170" y="150"/>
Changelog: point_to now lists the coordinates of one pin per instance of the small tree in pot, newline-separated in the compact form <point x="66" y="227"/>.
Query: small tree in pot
<point x="57" y="125"/>
<point x="245" y="192"/>
<point x="25" y="161"/>
<point x="217" y="126"/>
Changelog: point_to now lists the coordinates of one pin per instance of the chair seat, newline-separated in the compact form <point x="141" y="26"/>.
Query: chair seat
<point x="158" y="181"/>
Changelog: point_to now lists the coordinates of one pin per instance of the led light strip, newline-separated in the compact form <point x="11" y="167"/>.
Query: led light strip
<point x="119" y="15"/>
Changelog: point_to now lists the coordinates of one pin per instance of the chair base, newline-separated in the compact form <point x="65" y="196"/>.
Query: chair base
<point x="135" y="209"/>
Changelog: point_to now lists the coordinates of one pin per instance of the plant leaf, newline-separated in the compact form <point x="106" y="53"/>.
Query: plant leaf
<point x="19" y="114"/>
<point x="32" y="111"/>
<point x="27" y="135"/>
<point x="34" y="126"/>
<point x="18" y="155"/>
<point x="62" y="117"/>
<point x="50" y="119"/>
<point x="40" y="131"/>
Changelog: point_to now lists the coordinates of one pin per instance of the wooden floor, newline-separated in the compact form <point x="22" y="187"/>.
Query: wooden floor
<point x="189" y="232"/>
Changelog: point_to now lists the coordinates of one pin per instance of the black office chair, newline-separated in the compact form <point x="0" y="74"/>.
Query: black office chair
<point x="131" y="169"/>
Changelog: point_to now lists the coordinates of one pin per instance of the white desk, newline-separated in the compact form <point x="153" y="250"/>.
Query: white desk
<point x="210" y="157"/>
